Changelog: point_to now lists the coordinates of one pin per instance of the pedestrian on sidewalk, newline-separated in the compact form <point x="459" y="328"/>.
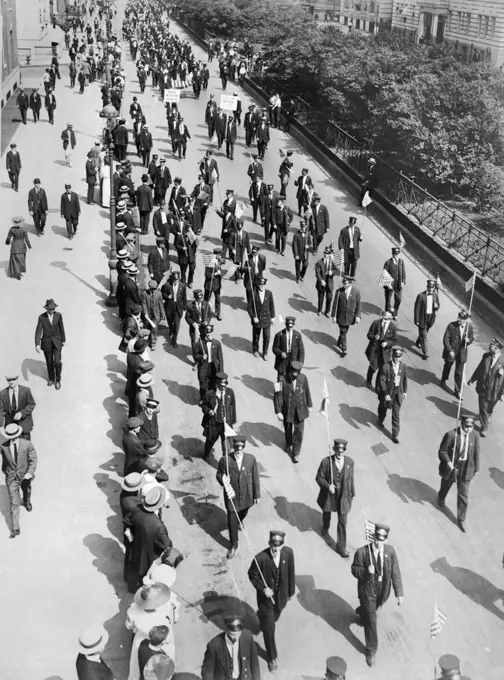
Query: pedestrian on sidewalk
<point x="153" y="311"/>
<point x="70" y="210"/>
<point x="489" y="379"/>
<point x="19" y="462"/>
<point x="91" y="172"/>
<point x="69" y="143"/>
<point x="13" y="164"/>
<point x="72" y="72"/>
<point x="82" y="82"/>
<point x="89" y="663"/>
<point x="22" y="103"/>
<point x="16" y="405"/>
<point x="50" y="337"/>
<point x="19" y="242"/>
<point x="145" y="203"/>
<point x="50" y="105"/>
<point x="35" y="104"/>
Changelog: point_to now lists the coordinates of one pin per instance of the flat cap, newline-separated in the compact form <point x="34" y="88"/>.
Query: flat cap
<point x="222" y="376"/>
<point x="336" y="666"/>
<point x="277" y="537"/>
<point x="340" y="442"/>
<point x="296" y="365"/>
<point x="134" y="422"/>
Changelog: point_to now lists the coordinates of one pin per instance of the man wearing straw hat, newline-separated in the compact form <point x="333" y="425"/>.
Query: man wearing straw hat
<point x="273" y="576"/>
<point x="16" y="405"/>
<point x="376" y="568"/>
<point x="459" y="455"/>
<point x="239" y="476"/>
<point x="335" y="478"/>
<point x="19" y="462"/>
<point x="231" y="654"/>
<point x="89" y="663"/>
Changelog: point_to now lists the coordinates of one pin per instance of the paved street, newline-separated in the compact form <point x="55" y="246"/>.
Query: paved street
<point x="65" y="570"/>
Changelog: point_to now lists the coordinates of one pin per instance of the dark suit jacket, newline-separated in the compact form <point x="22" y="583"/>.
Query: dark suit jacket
<point x="70" y="208"/>
<point x="50" y="101"/>
<point x="300" y="245"/>
<point x="263" y="135"/>
<point x="386" y="378"/>
<point x="264" y="311"/>
<point x="453" y="341"/>
<point x="420" y="311"/>
<point x="396" y="271"/>
<point x="375" y="353"/>
<point x="25" y="406"/>
<point x="13" y="162"/>
<point x="133" y="449"/>
<point x="92" y="670"/>
<point x="346" y="311"/>
<point x="193" y="317"/>
<point x="280" y="345"/>
<point x="289" y="401"/>
<point x="245" y="482"/>
<point x="283" y="584"/>
<point x="320" y="275"/>
<point x="144" y="198"/>
<point x="489" y="381"/>
<point x="302" y="191"/>
<point x="217" y="661"/>
<point x="35" y="101"/>
<point x="131" y="294"/>
<point x="216" y="358"/>
<point x="181" y="137"/>
<point x="257" y="193"/>
<point x="366" y="586"/>
<point x="341" y="501"/>
<point x="158" y="264"/>
<point x="49" y="335"/>
<point x="241" y="246"/>
<point x="344" y="241"/>
<point x="319" y="220"/>
<point x="90" y="172"/>
<point x="150" y="540"/>
<point x="207" y="168"/>
<point x="231" y="131"/>
<point x="37" y="203"/>
<point x="255" y="168"/>
<point x="175" y="306"/>
<point x="251" y="270"/>
<point x="225" y="410"/>
<point x="180" y="201"/>
<point x="26" y="461"/>
<point x="162" y="228"/>
<point x="451" y="450"/>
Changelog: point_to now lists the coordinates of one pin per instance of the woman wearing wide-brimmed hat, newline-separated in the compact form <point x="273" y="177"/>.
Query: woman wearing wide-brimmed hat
<point x="19" y="242"/>
<point x="153" y="605"/>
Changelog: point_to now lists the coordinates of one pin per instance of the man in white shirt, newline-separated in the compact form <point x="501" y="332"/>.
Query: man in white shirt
<point x="426" y="306"/>
<point x="233" y="653"/>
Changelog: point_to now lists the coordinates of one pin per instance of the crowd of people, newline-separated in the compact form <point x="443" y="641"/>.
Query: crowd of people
<point x="163" y="206"/>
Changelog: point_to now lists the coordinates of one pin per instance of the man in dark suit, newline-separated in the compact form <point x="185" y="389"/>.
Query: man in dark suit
<point x="275" y="565"/>
<point x="91" y="176"/>
<point x="144" y="203"/>
<point x="89" y="664"/>
<point x="163" y="222"/>
<point x="395" y="267"/>
<point x="158" y="261"/>
<point x="233" y="648"/>
<point x="335" y="478"/>
<point x="300" y="250"/>
<point x="135" y="109"/>
<point x="325" y="271"/>
<point x="303" y="184"/>
<point x="392" y="388"/>
<point x="22" y="103"/>
<point x="456" y="340"/>
<point x="213" y="281"/>
<point x="175" y="300"/>
<point x="253" y="269"/>
<point x="200" y="196"/>
<point x="145" y="145"/>
<point x="239" y="475"/>
<point x="255" y="169"/>
<point x="288" y="347"/>
<point x="19" y="462"/>
<point x="263" y="137"/>
<point x="261" y="309"/>
<point x="376" y="568"/>
<point x="37" y="206"/>
<point x="186" y="244"/>
<point x="489" y="379"/>
<point x="131" y="294"/>
<point x="35" y="104"/>
<point x="16" y="405"/>
<point x="70" y="210"/>
<point x="50" y="337"/>
<point x="181" y="137"/>
<point x="459" y="455"/>
<point x="426" y="306"/>
<point x="211" y="116"/>
<point x="293" y="403"/>
<point x="319" y="222"/>
<point x="219" y="408"/>
<point x="208" y="356"/>
<point x="241" y="249"/>
<point x="382" y="336"/>
<point x="162" y="181"/>
<point x="349" y="241"/>
<point x="257" y="193"/>
<point x="346" y="310"/>
<point x="370" y="182"/>
<point x="132" y="445"/>
<point x="13" y="165"/>
<point x="282" y="217"/>
<point x="210" y="171"/>
<point x="50" y="105"/>
<point x="231" y="134"/>
<point x="198" y="313"/>
<point x="121" y="140"/>
<point x="268" y="212"/>
<point x="250" y="126"/>
<point x="178" y="197"/>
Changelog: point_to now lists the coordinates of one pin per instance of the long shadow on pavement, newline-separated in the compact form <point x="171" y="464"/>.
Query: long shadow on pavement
<point x="211" y="518"/>
<point x="410" y="489"/>
<point x="237" y="343"/>
<point x="261" y="386"/>
<point x="298" y="515"/>
<point x="188" y="394"/>
<point x="356" y="416"/>
<point x="263" y="433"/>
<point x="497" y="476"/>
<point x="348" y="377"/>
<point x="234" y="302"/>
<point x="215" y="605"/>
<point x="35" y="367"/>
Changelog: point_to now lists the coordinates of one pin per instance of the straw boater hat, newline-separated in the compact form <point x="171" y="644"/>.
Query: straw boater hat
<point x="133" y="482"/>
<point x="93" y="640"/>
<point x="152" y="596"/>
<point x="153" y="497"/>
<point x="12" y="431"/>
<point x="145" y="380"/>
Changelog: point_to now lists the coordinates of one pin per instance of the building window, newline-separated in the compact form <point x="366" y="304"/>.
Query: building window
<point x="486" y="26"/>
<point x="468" y="21"/>
<point x="450" y="17"/>
<point x="459" y="20"/>
<point x="492" y="26"/>
<point x="372" y="6"/>
<point x="480" y="23"/>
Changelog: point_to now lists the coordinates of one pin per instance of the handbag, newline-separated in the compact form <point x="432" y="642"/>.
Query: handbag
<point x="172" y="557"/>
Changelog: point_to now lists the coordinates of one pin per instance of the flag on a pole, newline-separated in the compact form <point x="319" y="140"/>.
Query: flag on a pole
<point x="228" y="431"/>
<point x="325" y="400"/>
<point x="209" y="260"/>
<point x="385" y="279"/>
<point x="280" y="319"/>
<point x="402" y="242"/>
<point x="191" y="236"/>
<point x="438" y="282"/>
<point x="282" y="153"/>
<point x="230" y="272"/>
<point x="338" y="258"/>
<point x="471" y="283"/>
<point x="240" y="209"/>
<point x="369" y="528"/>
<point x="214" y="175"/>
<point x="366" y="200"/>
<point x="439" y="619"/>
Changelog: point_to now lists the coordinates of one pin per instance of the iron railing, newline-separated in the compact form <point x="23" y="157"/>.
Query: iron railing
<point x="457" y="234"/>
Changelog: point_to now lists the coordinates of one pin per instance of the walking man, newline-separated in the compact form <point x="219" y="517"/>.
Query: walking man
<point x="382" y="336"/>
<point x="13" y="165"/>
<point x="50" y="337"/>
<point x="349" y="241"/>
<point x="293" y="403"/>
<point x="392" y="387"/>
<point x="35" y="105"/>
<point x="22" y="104"/>
<point x="288" y="347"/>
<point x="50" y="105"/>
<point x="335" y="478"/>
<point x="239" y="475"/>
<point x="456" y="340"/>
<point x="275" y="565"/>
<point x="346" y="310"/>
<point x="261" y="309"/>
<point x="325" y="271"/>
<point x="395" y="267"/>
<point x="19" y="462"/>
<point x="70" y="210"/>
<point x="300" y="250"/>
<point x="426" y="306"/>
<point x="91" y="174"/>
<point x="16" y="405"/>
<point x="145" y="204"/>
<point x="489" y="379"/>
<point x="37" y="206"/>
<point x="219" y="409"/>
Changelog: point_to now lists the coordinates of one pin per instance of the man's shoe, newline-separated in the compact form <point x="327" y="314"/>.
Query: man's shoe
<point x="230" y="553"/>
<point x="295" y="458"/>
<point x="256" y="354"/>
<point x="57" y="385"/>
<point x="265" y="356"/>
<point x="28" y="506"/>
<point x="483" y="433"/>
<point x="218" y="317"/>
<point x="461" y="525"/>
<point x="370" y="660"/>
<point x="441" y="502"/>
<point x="50" y="383"/>
<point x="343" y="553"/>
<point x="380" y="424"/>
<point x="395" y="440"/>
<point x="343" y="353"/>
<point x="325" y="533"/>
<point x="175" y="344"/>
<point x="14" y="533"/>
<point x="272" y="666"/>
<point x="442" y="383"/>
<point x="417" y="344"/>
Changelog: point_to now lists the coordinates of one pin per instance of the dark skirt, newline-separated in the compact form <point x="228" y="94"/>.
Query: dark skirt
<point x="17" y="265"/>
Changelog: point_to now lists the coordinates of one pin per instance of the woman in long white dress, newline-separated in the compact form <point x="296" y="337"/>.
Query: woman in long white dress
<point x="105" y="182"/>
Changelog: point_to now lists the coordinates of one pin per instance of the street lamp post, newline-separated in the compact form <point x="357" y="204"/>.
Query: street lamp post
<point x="110" y="113"/>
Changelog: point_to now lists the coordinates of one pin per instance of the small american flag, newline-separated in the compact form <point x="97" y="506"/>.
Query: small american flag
<point x="325" y="400"/>
<point x="402" y="242"/>
<point x="385" y="279"/>
<point x="438" y="283"/>
<point x="366" y="200"/>
<point x="228" y="431"/>
<point x="439" y="619"/>
<point x="230" y="272"/>
<point x="209" y="260"/>
<point x="470" y="284"/>
<point x="240" y="209"/>
<point x="191" y="236"/>
<point x="369" y="528"/>
<point x="339" y="258"/>
<point x="282" y="153"/>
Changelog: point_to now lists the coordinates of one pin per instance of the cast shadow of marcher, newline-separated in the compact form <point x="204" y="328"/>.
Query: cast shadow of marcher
<point x="300" y="305"/>
<point x="33" y="367"/>
<point x="116" y="409"/>
<point x="370" y="308"/>
<point x="282" y="273"/>
<point x="497" y="476"/>
<point x="188" y="394"/>
<point x="215" y="605"/>
<point x="187" y="447"/>
<point x="234" y="302"/>
<point x="356" y="416"/>
<point x="298" y="515"/>
<point x="5" y="505"/>
<point x="265" y="434"/>
<point x="331" y="608"/>
<point x="475" y="587"/>
<point x="409" y="489"/>
<point x="320" y="338"/>
<point x="261" y="386"/>
<point x="448" y="408"/>
<point x="112" y="489"/>
<point x="348" y="377"/>
<point x="237" y="343"/>
<point x="209" y="517"/>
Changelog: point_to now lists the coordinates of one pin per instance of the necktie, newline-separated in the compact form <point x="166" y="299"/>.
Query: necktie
<point x="15" y="449"/>
<point x="289" y="342"/>
<point x="14" y="402"/>
<point x="379" y="565"/>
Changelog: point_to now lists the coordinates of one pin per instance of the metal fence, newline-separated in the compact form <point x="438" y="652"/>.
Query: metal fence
<point x="456" y="233"/>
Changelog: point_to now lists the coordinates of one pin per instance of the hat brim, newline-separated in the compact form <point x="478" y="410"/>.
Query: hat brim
<point x="99" y="645"/>
<point x="162" y="500"/>
<point x="161" y="597"/>
<point x="18" y="433"/>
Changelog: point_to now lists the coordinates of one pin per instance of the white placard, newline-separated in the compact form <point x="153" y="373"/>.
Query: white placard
<point x="171" y="96"/>
<point x="228" y="102"/>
